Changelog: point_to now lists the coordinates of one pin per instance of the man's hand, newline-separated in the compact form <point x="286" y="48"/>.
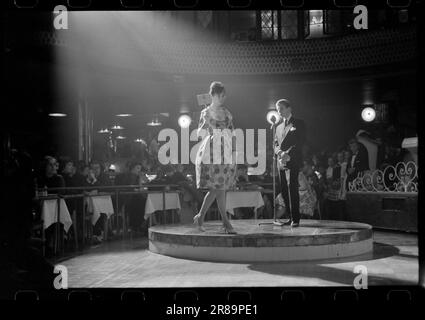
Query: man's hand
<point x="351" y="170"/>
<point x="285" y="157"/>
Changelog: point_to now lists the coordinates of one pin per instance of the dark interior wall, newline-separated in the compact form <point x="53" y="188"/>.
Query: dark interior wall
<point x="30" y="89"/>
<point x="330" y="110"/>
<point x="242" y="21"/>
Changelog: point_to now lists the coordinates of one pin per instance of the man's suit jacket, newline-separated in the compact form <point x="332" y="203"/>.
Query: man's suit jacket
<point x="293" y="135"/>
<point x="361" y="163"/>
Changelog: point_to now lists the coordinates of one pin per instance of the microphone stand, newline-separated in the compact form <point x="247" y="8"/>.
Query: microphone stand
<point x="275" y="221"/>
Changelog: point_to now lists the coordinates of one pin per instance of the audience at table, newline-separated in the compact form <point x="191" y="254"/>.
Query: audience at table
<point x="50" y="179"/>
<point x="97" y="176"/>
<point x="134" y="203"/>
<point x="323" y="181"/>
<point x="48" y="176"/>
<point x="69" y="173"/>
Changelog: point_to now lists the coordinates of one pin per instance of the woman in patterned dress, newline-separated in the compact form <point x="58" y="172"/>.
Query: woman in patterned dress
<point x="215" y="165"/>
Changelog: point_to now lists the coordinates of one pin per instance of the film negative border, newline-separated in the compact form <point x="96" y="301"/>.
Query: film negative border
<point x="204" y="5"/>
<point x="161" y="298"/>
<point x="272" y="298"/>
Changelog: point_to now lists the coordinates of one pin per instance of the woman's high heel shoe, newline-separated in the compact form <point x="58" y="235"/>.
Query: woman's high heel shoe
<point x="229" y="231"/>
<point x="196" y="222"/>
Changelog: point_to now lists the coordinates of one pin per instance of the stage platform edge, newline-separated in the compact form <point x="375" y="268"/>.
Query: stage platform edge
<point x="313" y="240"/>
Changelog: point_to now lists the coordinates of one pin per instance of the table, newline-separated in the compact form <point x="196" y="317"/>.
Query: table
<point x="155" y="202"/>
<point x="50" y="213"/>
<point x="244" y="198"/>
<point x="98" y="204"/>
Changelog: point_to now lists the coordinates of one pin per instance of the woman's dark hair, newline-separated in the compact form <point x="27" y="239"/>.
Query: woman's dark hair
<point x="217" y="88"/>
<point x="44" y="162"/>
<point x="64" y="163"/>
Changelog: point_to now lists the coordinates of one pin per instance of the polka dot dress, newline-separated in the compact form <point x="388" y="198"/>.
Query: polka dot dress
<point x="215" y="167"/>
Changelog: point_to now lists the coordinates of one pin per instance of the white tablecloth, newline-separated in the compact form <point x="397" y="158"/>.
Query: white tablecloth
<point x="50" y="214"/>
<point x="99" y="204"/>
<point x="154" y="202"/>
<point x="237" y="199"/>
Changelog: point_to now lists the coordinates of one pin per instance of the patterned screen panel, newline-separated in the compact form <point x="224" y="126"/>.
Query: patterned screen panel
<point x="277" y="57"/>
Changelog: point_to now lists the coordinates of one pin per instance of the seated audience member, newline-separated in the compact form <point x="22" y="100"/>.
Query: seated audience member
<point x="132" y="176"/>
<point x="49" y="177"/>
<point x="96" y="176"/>
<point x="242" y="174"/>
<point x="178" y="175"/>
<point x="69" y="174"/>
<point x="315" y="162"/>
<point x="82" y="175"/>
<point x="111" y="173"/>
<point x="163" y="174"/>
<point x="76" y="177"/>
<point x="135" y="203"/>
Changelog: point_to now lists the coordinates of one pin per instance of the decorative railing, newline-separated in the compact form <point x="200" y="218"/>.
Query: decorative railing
<point x="403" y="177"/>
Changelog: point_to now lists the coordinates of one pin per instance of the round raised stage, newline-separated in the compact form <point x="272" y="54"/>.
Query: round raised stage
<point x="313" y="240"/>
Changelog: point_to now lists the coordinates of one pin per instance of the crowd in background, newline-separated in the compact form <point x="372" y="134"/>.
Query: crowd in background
<point x="323" y="180"/>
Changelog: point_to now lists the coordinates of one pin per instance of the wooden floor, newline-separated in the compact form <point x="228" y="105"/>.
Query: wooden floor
<point x="129" y="264"/>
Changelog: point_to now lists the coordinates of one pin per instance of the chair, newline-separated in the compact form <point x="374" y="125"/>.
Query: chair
<point x="75" y="228"/>
<point x="121" y="214"/>
<point x="87" y="226"/>
<point x="38" y="228"/>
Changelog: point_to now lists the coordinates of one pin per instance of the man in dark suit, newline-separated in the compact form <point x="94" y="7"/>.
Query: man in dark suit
<point x="359" y="161"/>
<point x="288" y="144"/>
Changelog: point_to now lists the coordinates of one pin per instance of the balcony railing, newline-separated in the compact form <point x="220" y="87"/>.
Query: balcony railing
<point x="403" y="177"/>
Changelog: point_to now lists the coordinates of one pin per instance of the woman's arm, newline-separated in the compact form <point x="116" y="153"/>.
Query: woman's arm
<point x="203" y="123"/>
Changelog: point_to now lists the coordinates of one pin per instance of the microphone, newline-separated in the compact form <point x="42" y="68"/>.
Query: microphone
<point x="273" y="121"/>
